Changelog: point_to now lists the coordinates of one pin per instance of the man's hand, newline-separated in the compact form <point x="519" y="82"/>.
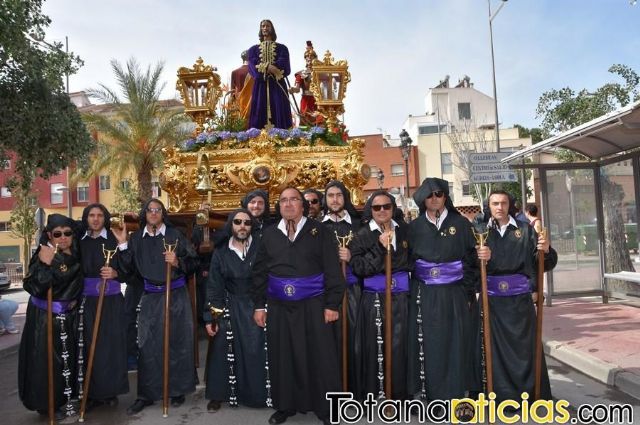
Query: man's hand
<point x="484" y="253"/>
<point x="385" y="238"/>
<point x="108" y="273"/>
<point x="120" y="234"/>
<point x="211" y="329"/>
<point x="260" y="317"/>
<point x="344" y="254"/>
<point x="330" y="315"/>
<point x="46" y="254"/>
<point x="543" y="243"/>
<point x="171" y="258"/>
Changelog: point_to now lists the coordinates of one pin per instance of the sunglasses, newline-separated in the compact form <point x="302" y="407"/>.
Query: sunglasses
<point x="385" y="207"/>
<point x="238" y="222"/>
<point x="438" y="194"/>
<point x="154" y="210"/>
<point x="57" y="234"/>
<point x="313" y="201"/>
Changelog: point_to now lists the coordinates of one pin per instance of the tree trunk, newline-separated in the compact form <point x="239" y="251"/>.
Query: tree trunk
<point x="615" y="242"/>
<point x="144" y="184"/>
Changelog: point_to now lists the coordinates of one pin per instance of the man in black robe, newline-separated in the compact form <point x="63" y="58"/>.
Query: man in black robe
<point x="314" y="198"/>
<point x="511" y="279"/>
<point x="298" y="273"/>
<point x="146" y="253"/>
<point x="229" y="321"/>
<point x="368" y="253"/>
<point x="55" y="265"/>
<point x="442" y="293"/>
<point x="109" y="373"/>
<point x="343" y="221"/>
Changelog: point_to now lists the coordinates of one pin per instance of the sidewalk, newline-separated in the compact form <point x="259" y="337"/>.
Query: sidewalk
<point x="599" y="340"/>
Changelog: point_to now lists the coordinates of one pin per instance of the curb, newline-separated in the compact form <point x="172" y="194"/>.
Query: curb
<point x="607" y="373"/>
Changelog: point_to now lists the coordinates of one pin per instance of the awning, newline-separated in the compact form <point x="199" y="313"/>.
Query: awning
<point x="614" y="133"/>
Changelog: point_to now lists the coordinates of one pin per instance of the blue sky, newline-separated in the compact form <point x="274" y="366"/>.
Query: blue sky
<point x="396" y="49"/>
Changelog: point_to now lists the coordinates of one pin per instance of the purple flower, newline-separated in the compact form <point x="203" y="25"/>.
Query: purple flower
<point x="202" y="137"/>
<point x="211" y="137"/>
<point x="188" y="144"/>
<point x="224" y="135"/>
<point x="252" y="132"/>
<point x="296" y="133"/>
<point x="317" y="130"/>
<point x="242" y="136"/>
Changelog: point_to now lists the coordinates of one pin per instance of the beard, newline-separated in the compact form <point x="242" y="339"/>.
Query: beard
<point x="241" y="237"/>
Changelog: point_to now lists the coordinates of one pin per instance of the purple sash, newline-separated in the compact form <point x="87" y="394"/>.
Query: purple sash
<point x="439" y="273"/>
<point x="295" y="288"/>
<point x="92" y="287"/>
<point x="175" y="284"/>
<point x="351" y="278"/>
<point x="378" y="283"/>
<point x="507" y="285"/>
<point x="57" y="307"/>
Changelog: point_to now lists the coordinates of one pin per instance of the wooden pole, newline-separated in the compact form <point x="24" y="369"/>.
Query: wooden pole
<point x="345" y="329"/>
<point x="539" y="316"/>
<point x="481" y="239"/>
<point x="50" y="355"/>
<point x="94" y="338"/>
<point x="388" y="335"/>
<point x="167" y="327"/>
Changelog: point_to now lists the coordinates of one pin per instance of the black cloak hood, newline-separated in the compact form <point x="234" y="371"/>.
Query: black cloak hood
<point x="228" y="226"/>
<point x="397" y="215"/>
<point x="430" y="185"/>
<point x="143" y="213"/>
<point x="348" y="206"/>
<point x="244" y="203"/>
<point x="58" y="220"/>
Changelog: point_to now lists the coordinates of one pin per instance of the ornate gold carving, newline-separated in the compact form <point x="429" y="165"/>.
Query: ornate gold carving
<point x="353" y="172"/>
<point x="199" y="88"/>
<point x="175" y="180"/>
<point x="315" y="174"/>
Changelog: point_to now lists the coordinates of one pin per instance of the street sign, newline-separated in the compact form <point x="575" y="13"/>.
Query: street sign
<point x="494" y="177"/>
<point x="487" y="157"/>
<point x="486" y="168"/>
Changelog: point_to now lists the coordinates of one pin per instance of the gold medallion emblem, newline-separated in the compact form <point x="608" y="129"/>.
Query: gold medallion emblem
<point x="314" y="231"/>
<point x="63" y="268"/>
<point x="435" y="272"/>
<point x="518" y="233"/>
<point x="289" y="290"/>
<point x="405" y="244"/>
<point x="452" y="230"/>
<point x="503" y="286"/>
<point x="393" y="283"/>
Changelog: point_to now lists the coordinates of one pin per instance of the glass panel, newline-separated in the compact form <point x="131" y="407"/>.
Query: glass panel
<point x="337" y="80"/>
<point x="325" y="89"/>
<point x="620" y="223"/>
<point x="572" y="226"/>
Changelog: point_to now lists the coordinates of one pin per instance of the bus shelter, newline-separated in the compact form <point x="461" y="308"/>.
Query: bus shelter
<point x="590" y="207"/>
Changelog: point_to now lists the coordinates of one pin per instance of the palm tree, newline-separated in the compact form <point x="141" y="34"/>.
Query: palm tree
<point x="133" y="136"/>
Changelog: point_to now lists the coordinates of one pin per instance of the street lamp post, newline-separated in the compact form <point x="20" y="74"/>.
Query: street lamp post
<point x="405" y="148"/>
<point x="493" y="68"/>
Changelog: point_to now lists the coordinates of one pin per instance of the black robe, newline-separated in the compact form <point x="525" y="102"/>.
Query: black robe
<point x="354" y="291"/>
<point x="145" y="256"/>
<point x="228" y="287"/>
<point x="32" y="364"/>
<point x="109" y="372"/>
<point x="302" y="354"/>
<point x="446" y="317"/>
<point x="513" y="318"/>
<point x="368" y="259"/>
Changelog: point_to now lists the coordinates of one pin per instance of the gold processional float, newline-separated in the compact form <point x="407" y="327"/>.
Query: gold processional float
<point x="217" y="167"/>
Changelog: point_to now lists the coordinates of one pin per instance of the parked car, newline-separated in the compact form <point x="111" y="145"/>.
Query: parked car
<point x="5" y="282"/>
<point x="3" y="268"/>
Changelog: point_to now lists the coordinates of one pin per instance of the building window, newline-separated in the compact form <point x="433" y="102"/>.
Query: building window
<point x="83" y="192"/>
<point x="466" y="188"/>
<point x="5" y="192"/>
<point x="56" y="193"/>
<point x="451" y="191"/>
<point x="447" y="165"/>
<point x="125" y="184"/>
<point x="431" y="129"/>
<point x="464" y="111"/>
<point x="105" y="182"/>
<point x="397" y="170"/>
<point x="5" y="226"/>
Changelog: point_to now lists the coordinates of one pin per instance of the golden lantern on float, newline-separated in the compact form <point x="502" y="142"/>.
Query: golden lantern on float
<point x="199" y="88"/>
<point x="329" y="81"/>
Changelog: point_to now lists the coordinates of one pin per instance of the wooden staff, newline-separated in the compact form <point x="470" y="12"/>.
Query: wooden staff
<point x="167" y="322"/>
<point x="481" y="238"/>
<point x="108" y="254"/>
<point x="539" y="310"/>
<point x="50" y="352"/>
<point x="388" y="337"/>
<point x="343" y="242"/>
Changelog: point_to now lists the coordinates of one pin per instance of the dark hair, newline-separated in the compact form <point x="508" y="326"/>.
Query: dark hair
<point x="532" y="209"/>
<point x="512" y="201"/>
<point x="305" y="203"/>
<point x="315" y="192"/>
<point x="274" y="37"/>
<point x="143" y="213"/>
